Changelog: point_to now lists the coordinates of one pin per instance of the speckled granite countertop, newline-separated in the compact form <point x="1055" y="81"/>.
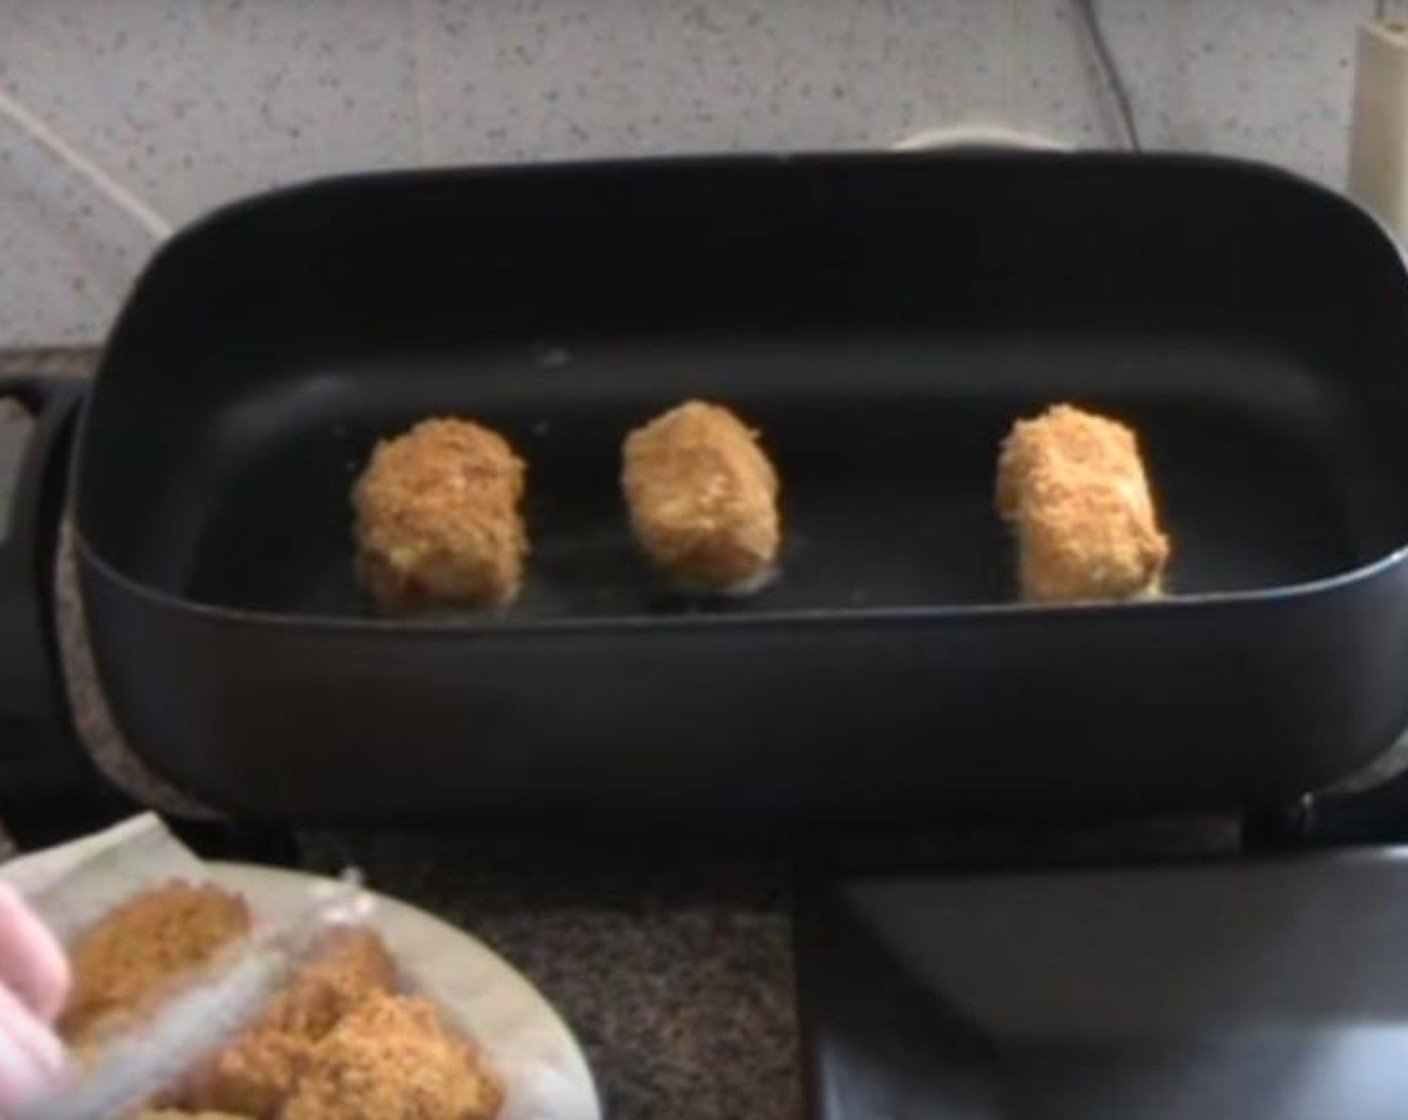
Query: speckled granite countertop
<point x="673" y="967"/>
<point x="672" y="963"/>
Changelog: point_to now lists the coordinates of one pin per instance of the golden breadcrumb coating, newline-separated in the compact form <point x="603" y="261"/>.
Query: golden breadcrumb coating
<point x="335" y="1044"/>
<point x="703" y="498"/>
<point x="126" y="962"/>
<point x="255" y="1073"/>
<point x="253" y="1077"/>
<point x="1074" y="489"/>
<point x="437" y="519"/>
<point x="393" y="1059"/>
<point x="354" y="965"/>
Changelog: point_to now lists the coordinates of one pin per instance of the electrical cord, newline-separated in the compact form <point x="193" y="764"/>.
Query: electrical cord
<point x="978" y="135"/>
<point x="118" y="195"/>
<point x="1110" y="71"/>
<point x="160" y="228"/>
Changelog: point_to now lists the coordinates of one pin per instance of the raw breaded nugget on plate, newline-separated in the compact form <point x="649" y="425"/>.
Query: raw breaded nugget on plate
<point x="127" y="962"/>
<point x="393" y="1059"/>
<point x="254" y="1074"/>
<point x="1073" y="487"/>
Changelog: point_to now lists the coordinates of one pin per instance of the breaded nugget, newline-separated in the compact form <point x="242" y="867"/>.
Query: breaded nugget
<point x="252" y="1077"/>
<point x="437" y="519"/>
<point x="176" y="1114"/>
<point x="393" y="1059"/>
<point x="255" y="1073"/>
<point x="1072" y="486"/>
<point x="703" y="498"/>
<point x="354" y="965"/>
<point x="125" y="963"/>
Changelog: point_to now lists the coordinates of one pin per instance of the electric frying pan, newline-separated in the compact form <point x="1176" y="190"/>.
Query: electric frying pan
<point x="882" y="319"/>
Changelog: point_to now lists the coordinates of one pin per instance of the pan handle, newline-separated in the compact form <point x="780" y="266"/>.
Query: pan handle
<point x="44" y="774"/>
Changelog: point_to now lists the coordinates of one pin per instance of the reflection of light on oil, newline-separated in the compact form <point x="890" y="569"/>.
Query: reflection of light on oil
<point x="551" y="357"/>
<point x="750" y="585"/>
<point x="758" y="581"/>
<point x="542" y="427"/>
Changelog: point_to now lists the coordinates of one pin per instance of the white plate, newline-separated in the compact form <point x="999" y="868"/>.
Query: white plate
<point x="543" y="1068"/>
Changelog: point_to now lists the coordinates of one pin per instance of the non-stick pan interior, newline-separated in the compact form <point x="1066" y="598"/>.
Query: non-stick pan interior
<point x="1273" y="456"/>
<point x="888" y="494"/>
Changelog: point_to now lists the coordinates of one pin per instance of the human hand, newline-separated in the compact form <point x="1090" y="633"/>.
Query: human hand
<point x="34" y="980"/>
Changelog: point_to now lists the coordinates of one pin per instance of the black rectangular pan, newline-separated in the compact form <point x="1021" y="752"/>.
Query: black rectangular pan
<point x="882" y="319"/>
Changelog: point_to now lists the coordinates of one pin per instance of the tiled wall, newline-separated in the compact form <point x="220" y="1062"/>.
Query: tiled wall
<point x="192" y="102"/>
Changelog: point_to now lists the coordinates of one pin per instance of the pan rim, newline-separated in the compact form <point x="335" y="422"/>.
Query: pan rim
<point x="490" y="625"/>
<point x="803" y="157"/>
